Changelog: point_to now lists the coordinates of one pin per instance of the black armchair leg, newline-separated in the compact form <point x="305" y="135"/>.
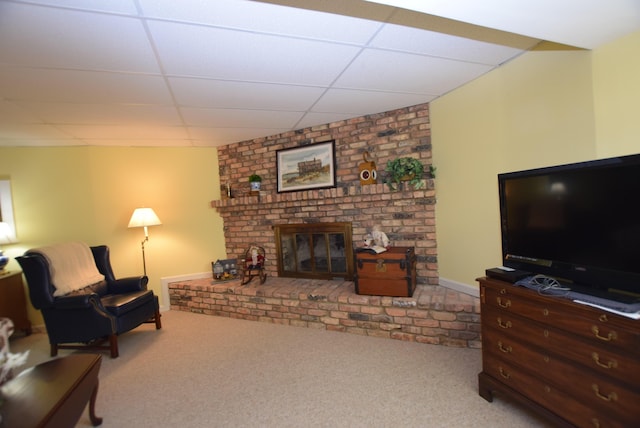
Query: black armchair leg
<point x="54" y="349"/>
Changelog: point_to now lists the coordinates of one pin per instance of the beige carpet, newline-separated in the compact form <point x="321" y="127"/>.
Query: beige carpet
<point x="205" y="371"/>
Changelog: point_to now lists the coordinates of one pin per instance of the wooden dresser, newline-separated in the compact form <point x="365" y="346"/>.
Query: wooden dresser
<point x="13" y="301"/>
<point x="576" y="365"/>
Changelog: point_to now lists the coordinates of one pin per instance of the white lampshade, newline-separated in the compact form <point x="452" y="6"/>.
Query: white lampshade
<point x="144" y="217"/>
<point x="6" y="234"/>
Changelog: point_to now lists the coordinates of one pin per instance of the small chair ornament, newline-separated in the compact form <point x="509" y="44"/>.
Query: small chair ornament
<point x="253" y="264"/>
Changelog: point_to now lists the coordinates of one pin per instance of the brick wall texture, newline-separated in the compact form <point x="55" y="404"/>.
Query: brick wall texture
<point x="406" y="216"/>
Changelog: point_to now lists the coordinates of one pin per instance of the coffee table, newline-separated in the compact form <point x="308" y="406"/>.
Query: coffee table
<point x="52" y="394"/>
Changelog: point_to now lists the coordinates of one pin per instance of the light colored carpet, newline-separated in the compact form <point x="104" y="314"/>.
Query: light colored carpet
<point x="206" y="371"/>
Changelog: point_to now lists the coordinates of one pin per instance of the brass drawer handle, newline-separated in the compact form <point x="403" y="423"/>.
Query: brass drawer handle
<point x="612" y="364"/>
<point x="612" y="396"/>
<point x="503" y="373"/>
<point x="503" y="324"/>
<point x="608" y="338"/>
<point x="506" y="349"/>
<point x="504" y="304"/>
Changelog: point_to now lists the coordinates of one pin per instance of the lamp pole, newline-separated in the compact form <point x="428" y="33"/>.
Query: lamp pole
<point x="144" y="261"/>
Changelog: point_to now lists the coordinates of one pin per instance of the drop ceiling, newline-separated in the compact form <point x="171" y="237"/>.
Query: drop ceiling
<point x="195" y="73"/>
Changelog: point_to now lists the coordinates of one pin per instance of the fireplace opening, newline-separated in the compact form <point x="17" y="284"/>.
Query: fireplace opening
<point x="314" y="250"/>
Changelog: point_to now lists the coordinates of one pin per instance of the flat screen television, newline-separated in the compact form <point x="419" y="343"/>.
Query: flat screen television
<point x="578" y="223"/>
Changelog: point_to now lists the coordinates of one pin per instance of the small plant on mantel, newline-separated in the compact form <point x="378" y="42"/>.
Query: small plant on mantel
<point x="255" y="181"/>
<point x="406" y="169"/>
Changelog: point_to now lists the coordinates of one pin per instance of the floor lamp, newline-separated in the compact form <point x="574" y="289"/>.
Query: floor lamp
<point x="143" y="217"/>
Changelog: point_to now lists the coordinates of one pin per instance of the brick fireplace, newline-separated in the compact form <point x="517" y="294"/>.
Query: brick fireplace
<point x="407" y="216"/>
<point x="433" y="315"/>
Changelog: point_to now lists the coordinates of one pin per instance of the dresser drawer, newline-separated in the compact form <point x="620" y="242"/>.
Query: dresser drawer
<point x="580" y="320"/>
<point x="557" y="401"/>
<point x="604" y="393"/>
<point x="599" y="357"/>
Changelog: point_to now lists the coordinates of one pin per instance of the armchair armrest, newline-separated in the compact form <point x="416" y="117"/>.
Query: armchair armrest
<point x="77" y="301"/>
<point x="128" y="284"/>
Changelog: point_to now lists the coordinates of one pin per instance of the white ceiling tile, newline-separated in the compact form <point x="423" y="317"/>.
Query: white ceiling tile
<point x="267" y="18"/>
<point x="315" y="119"/>
<point x="441" y="45"/>
<point x="125" y="132"/>
<point x="105" y="114"/>
<point x="581" y="23"/>
<point x="117" y="6"/>
<point x="228" y="135"/>
<point x="11" y="113"/>
<point x="139" y="142"/>
<point x="22" y="131"/>
<point x="235" y="118"/>
<point x="28" y="84"/>
<point x="358" y="103"/>
<point x="41" y="141"/>
<point x="226" y="94"/>
<point x="237" y="55"/>
<point x="47" y="37"/>
<point x="401" y="72"/>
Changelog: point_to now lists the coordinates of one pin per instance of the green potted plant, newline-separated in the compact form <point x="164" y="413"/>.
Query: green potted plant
<point x="404" y="169"/>
<point x="255" y="180"/>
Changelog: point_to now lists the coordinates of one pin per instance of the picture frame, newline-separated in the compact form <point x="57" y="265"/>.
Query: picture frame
<point x="307" y="167"/>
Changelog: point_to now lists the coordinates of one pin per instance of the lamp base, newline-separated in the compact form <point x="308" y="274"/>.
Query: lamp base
<point x="4" y="260"/>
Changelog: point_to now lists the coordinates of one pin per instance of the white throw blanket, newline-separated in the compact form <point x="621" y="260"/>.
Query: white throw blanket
<point x="71" y="266"/>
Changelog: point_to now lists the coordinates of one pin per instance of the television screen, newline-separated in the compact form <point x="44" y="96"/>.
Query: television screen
<point x="579" y="223"/>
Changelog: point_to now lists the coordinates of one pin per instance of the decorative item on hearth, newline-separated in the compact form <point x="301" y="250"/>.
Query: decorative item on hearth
<point x="405" y="169"/>
<point x="379" y="237"/>
<point x="253" y="264"/>
<point x="255" y="181"/>
<point x="368" y="171"/>
<point x="224" y="270"/>
<point x="375" y="242"/>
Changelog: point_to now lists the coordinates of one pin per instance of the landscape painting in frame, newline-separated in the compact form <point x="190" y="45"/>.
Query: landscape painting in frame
<point x="307" y="167"/>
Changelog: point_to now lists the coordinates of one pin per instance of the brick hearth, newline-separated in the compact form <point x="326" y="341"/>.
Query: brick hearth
<point x="434" y="314"/>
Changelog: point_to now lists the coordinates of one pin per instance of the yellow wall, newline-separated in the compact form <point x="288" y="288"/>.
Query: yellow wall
<point x="616" y="68"/>
<point x="89" y="194"/>
<point x="549" y="106"/>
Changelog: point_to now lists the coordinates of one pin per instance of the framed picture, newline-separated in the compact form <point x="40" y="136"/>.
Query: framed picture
<point x="307" y="167"/>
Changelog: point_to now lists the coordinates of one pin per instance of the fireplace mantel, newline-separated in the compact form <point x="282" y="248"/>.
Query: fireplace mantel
<point x="368" y="192"/>
<point x="407" y="216"/>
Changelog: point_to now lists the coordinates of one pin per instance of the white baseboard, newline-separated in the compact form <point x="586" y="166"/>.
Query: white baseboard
<point x="460" y="286"/>
<point x="165" y="304"/>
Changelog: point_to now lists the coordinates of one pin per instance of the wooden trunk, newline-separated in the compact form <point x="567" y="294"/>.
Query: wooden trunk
<point x="391" y="273"/>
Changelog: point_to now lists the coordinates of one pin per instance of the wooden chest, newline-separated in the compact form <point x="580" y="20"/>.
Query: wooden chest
<point x="391" y="273"/>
